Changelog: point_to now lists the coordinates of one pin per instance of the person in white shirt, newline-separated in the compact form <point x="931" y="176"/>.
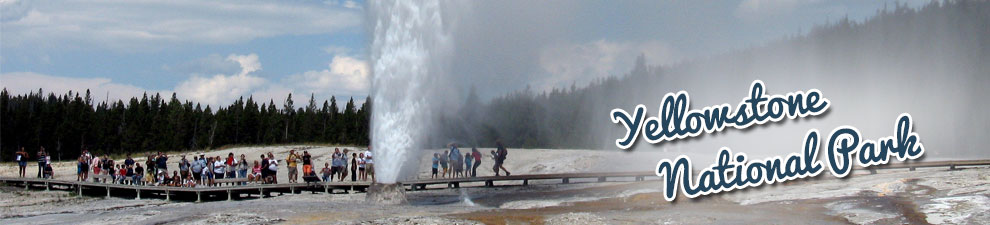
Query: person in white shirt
<point x="362" y="175"/>
<point x="273" y="166"/>
<point x="219" y="168"/>
<point x="369" y="164"/>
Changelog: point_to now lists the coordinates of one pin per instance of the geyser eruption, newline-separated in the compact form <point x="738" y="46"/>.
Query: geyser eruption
<point x="409" y="52"/>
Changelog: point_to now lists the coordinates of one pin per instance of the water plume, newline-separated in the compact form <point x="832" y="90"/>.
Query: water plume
<point x="409" y="52"/>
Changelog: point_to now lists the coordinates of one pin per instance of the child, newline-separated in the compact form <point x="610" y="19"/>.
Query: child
<point x="162" y="179"/>
<point x="467" y="164"/>
<point x="49" y="173"/>
<point x="327" y="173"/>
<point x="436" y="164"/>
<point x="176" y="179"/>
<point x="190" y="182"/>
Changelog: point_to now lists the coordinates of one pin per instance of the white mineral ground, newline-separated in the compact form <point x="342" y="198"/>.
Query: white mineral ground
<point x="935" y="195"/>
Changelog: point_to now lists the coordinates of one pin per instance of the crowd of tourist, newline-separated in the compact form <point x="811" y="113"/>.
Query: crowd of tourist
<point x="205" y="170"/>
<point x="451" y="164"/>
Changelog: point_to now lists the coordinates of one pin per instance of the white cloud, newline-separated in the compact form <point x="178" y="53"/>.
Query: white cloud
<point x="351" y="5"/>
<point x="100" y="88"/>
<point x="249" y="63"/>
<point x="583" y="62"/>
<point x="345" y="75"/>
<point x="130" y="25"/>
<point x="220" y="88"/>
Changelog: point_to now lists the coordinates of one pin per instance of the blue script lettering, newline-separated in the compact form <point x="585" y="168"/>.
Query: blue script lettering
<point x="676" y="121"/>
<point x="716" y="178"/>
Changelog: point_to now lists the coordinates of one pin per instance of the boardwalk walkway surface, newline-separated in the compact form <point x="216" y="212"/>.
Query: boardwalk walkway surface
<point x="258" y="191"/>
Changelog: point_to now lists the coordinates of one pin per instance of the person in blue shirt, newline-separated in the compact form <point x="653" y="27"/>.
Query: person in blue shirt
<point x="129" y="161"/>
<point x="162" y="162"/>
<point x="455" y="160"/>
<point x="467" y="164"/>
<point x="436" y="165"/>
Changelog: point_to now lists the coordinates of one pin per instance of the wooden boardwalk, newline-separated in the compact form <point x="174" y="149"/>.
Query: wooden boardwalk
<point x="198" y="193"/>
<point x="258" y="191"/>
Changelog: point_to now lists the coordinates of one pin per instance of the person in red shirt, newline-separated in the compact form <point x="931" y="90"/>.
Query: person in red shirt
<point x="121" y="173"/>
<point x="231" y="162"/>
<point x="477" y="161"/>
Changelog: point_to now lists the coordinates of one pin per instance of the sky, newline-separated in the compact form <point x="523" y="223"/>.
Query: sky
<point x="214" y="52"/>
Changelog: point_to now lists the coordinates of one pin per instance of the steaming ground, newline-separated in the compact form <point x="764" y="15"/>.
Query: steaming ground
<point x="935" y="196"/>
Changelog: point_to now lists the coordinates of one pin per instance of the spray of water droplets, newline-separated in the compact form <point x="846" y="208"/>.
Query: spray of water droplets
<point x="409" y="50"/>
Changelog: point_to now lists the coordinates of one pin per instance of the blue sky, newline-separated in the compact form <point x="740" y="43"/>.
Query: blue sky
<point x="213" y="52"/>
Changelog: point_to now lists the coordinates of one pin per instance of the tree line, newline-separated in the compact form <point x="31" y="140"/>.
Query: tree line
<point x="65" y="124"/>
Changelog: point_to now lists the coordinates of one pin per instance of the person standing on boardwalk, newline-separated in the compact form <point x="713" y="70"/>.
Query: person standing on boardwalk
<point x="41" y="161"/>
<point x="307" y="164"/>
<point x="273" y="166"/>
<point x="335" y="164"/>
<point x="196" y="169"/>
<point x="184" y="167"/>
<point x="500" y="154"/>
<point x="290" y="163"/>
<point x="86" y="157"/>
<point x="242" y="168"/>
<point x="231" y="165"/>
<point x="219" y="168"/>
<point x="129" y="161"/>
<point x="443" y="163"/>
<point x="467" y="164"/>
<point x="354" y="167"/>
<point x="264" y="169"/>
<point x="436" y="165"/>
<point x="208" y="171"/>
<point x="21" y="157"/>
<point x="477" y="161"/>
<point x="455" y="161"/>
<point x="79" y="167"/>
<point x="343" y="165"/>
<point x="369" y="164"/>
<point x="326" y="172"/>
<point x="95" y="163"/>
<point x="162" y="162"/>
<point x="361" y="170"/>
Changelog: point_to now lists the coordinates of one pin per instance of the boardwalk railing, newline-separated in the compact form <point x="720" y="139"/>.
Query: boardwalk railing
<point x="563" y="177"/>
<point x="261" y="190"/>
